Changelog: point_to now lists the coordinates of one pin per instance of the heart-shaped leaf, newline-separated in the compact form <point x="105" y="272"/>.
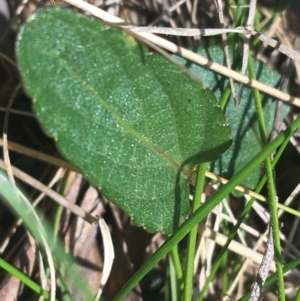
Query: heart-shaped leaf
<point x="133" y="122"/>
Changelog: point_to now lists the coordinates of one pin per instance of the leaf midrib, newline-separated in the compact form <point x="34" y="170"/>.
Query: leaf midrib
<point x="156" y="149"/>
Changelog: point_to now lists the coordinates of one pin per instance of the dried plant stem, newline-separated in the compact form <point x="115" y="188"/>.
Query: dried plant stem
<point x="263" y="269"/>
<point x="189" y="55"/>
<point x="52" y="194"/>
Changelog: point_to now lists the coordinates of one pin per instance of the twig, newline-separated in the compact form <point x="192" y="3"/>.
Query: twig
<point x="263" y="269"/>
<point x="52" y="194"/>
<point x="189" y="55"/>
<point x="247" y="30"/>
<point x="12" y="146"/>
<point x="185" y="32"/>
<point x="109" y="256"/>
<point x="5" y="129"/>
<point x="246" y="44"/>
<point x="236" y="247"/>
<point x="249" y="23"/>
<point x="225" y="46"/>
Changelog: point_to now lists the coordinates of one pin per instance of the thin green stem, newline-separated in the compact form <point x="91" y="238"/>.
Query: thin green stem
<point x="172" y="279"/>
<point x="271" y="186"/>
<point x="207" y="207"/>
<point x="63" y="286"/>
<point x="24" y="279"/>
<point x="192" y="237"/>
<point x="298" y="295"/>
<point x="224" y="98"/>
<point x="223" y="251"/>
<point x="240" y="220"/>
<point x="177" y="266"/>
<point x="238" y="13"/>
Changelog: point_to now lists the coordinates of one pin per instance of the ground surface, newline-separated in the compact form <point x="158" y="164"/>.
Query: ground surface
<point x="132" y="245"/>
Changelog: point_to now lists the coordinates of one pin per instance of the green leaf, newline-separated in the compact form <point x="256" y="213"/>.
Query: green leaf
<point x="242" y="119"/>
<point x="133" y="122"/>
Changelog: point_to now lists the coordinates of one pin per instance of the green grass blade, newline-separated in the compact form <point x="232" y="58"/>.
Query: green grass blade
<point x="192" y="237"/>
<point x="208" y="206"/>
<point x="271" y="188"/>
<point x="24" y="278"/>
